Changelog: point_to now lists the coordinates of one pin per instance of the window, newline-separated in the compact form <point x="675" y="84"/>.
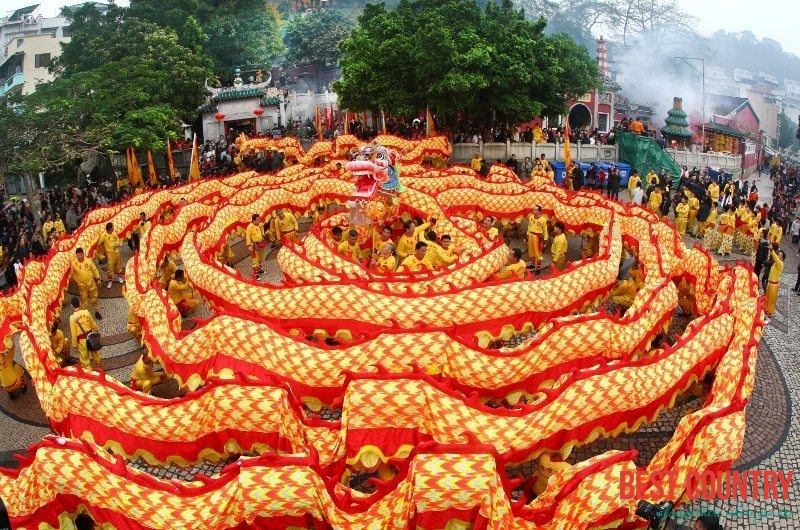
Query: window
<point x="602" y="121"/>
<point x="19" y="42"/>
<point x="41" y="60"/>
<point x="65" y="32"/>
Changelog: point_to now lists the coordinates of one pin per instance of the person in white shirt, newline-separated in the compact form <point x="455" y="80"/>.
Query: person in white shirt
<point x="638" y="194"/>
<point x="794" y="230"/>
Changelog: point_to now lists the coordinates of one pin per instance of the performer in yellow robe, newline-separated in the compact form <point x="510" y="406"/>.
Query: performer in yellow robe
<point x="711" y="235"/>
<point x="727" y="222"/>
<point x="167" y="268"/>
<point x="86" y="276"/>
<point x="256" y="243"/>
<point x="406" y="242"/>
<point x="773" y="283"/>
<point x="491" y="230"/>
<point x="350" y="249"/>
<point x="81" y="324"/>
<point x="624" y="293"/>
<point x="182" y="294"/>
<point x="633" y="183"/>
<point x="144" y="378"/>
<point x="378" y="242"/>
<point x="559" y="247"/>
<point x="47" y="225"/>
<point x="713" y="192"/>
<point x="59" y="225"/>
<point x="681" y="215"/>
<point x="654" y="203"/>
<point x="111" y="243"/>
<point x="57" y="343"/>
<point x="514" y="267"/>
<point x="537" y="238"/>
<point x="385" y="262"/>
<point x="694" y="205"/>
<point x="775" y="233"/>
<point x="436" y="257"/>
<point x="12" y="376"/>
<point x="415" y="262"/>
<point x="285" y="225"/>
<point x="651" y="178"/>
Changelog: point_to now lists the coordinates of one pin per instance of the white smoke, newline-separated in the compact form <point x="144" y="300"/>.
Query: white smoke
<point x="653" y="76"/>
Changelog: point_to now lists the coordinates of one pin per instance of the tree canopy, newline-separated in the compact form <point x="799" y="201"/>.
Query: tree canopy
<point x="455" y="57"/>
<point x="314" y="37"/>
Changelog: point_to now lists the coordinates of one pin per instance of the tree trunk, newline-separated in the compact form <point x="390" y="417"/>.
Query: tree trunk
<point x="36" y="206"/>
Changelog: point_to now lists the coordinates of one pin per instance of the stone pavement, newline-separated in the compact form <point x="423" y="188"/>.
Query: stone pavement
<point x="772" y="440"/>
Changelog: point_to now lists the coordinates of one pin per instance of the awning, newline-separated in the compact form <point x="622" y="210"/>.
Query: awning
<point x="770" y="152"/>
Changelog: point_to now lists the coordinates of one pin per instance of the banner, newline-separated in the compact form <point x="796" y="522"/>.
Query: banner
<point x="170" y="162"/>
<point x="194" y="165"/>
<point x="151" y="169"/>
<point x="318" y="122"/>
<point x="430" y="126"/>
<point x="135" y="177"/>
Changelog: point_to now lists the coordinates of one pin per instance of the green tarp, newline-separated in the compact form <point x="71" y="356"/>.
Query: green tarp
<point x="643" y="154"/>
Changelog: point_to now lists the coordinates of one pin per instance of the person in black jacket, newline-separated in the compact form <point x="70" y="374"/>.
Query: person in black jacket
<point x="702" y="216"/>
<point x="613" y="183"/>
<point x="577" y="178"/>
<point x="762" y="253"/>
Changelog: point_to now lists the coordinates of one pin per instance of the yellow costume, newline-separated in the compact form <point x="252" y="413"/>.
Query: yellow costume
<point x="509" y="271"/>
<point x="46" y="227"/>
<point x="694" y="205"/>
<point x="81" y="324"/>
<point x="86" y="275"/>
<point x="111" y="243"/>
<point x="725" y="230"/>
<point x="185" y="301"/>
<point x="405" y="246"/>
<point x="225" y="254"/>
<point x="633" y="183"/>
<point x="650" y="178"/>
<point x="624" y="293"/>
<point x="167" y="270"/>
<point x="286" y="227"/>
<point x="773" y="283"/>
<point x="537" y="236"/>
<point x="713" y="192"/>
<point x="134" y="326"/>
<point x="57" y="343"/>
<point x="559" y="251"/>
<point x="59" y="226"/>
<point x="475" y="163"/>
<point x="775" y="233"/>
<point x="437" y="257"/>
<point x="492" y="233"/>
<point x="412" y="264"/>
<point x="655" y="202"/>
<point x="681" y="214"/>
<point x="254" y="238"/>
<point x="711" y="235"/>
<point x="144" y="378"/>
<point x="12" y="377"/>
<point x="387" y="264"/>
<point x="350" y="252"/>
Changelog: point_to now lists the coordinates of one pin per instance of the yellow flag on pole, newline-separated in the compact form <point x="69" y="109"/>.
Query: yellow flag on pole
<point x="170" y="162"/>
<point x="430" y="126"/>
<point x="567" y="153"/>
<point x="151" y="169"/>
<point x="135" y="177"/>
<point x="318" y="122"/>
<point x="194" y="165"/>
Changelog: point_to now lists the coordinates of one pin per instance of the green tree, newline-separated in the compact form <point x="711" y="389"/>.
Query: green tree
<point x="455" y="57"/>
<point x="314" y="37"/>
<point x="787" y="136"/>
<point x="240" y="32"/>
<point x="139" y="81"/>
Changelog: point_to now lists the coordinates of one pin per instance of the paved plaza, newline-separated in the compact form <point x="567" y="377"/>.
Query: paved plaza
<point x="772" y="439"/>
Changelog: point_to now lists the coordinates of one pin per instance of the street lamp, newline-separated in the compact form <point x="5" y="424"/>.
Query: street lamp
<point x="703" y="75"/>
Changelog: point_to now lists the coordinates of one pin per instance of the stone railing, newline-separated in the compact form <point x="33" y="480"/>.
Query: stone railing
<point x="463" y="153"/>
<point x="690" y="159"/>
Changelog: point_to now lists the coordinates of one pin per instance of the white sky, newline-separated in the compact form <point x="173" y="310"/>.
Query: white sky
<point x="776" y="19"/>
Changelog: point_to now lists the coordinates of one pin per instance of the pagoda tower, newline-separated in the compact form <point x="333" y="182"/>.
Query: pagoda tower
<point x="677" y="127"/>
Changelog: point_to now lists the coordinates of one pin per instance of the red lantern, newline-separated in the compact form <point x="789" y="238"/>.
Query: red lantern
<point x="259" y="111"/>
<point x="219" y="116"/>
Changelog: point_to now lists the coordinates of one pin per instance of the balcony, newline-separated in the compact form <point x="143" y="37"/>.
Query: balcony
<point x="13" y="84"/>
